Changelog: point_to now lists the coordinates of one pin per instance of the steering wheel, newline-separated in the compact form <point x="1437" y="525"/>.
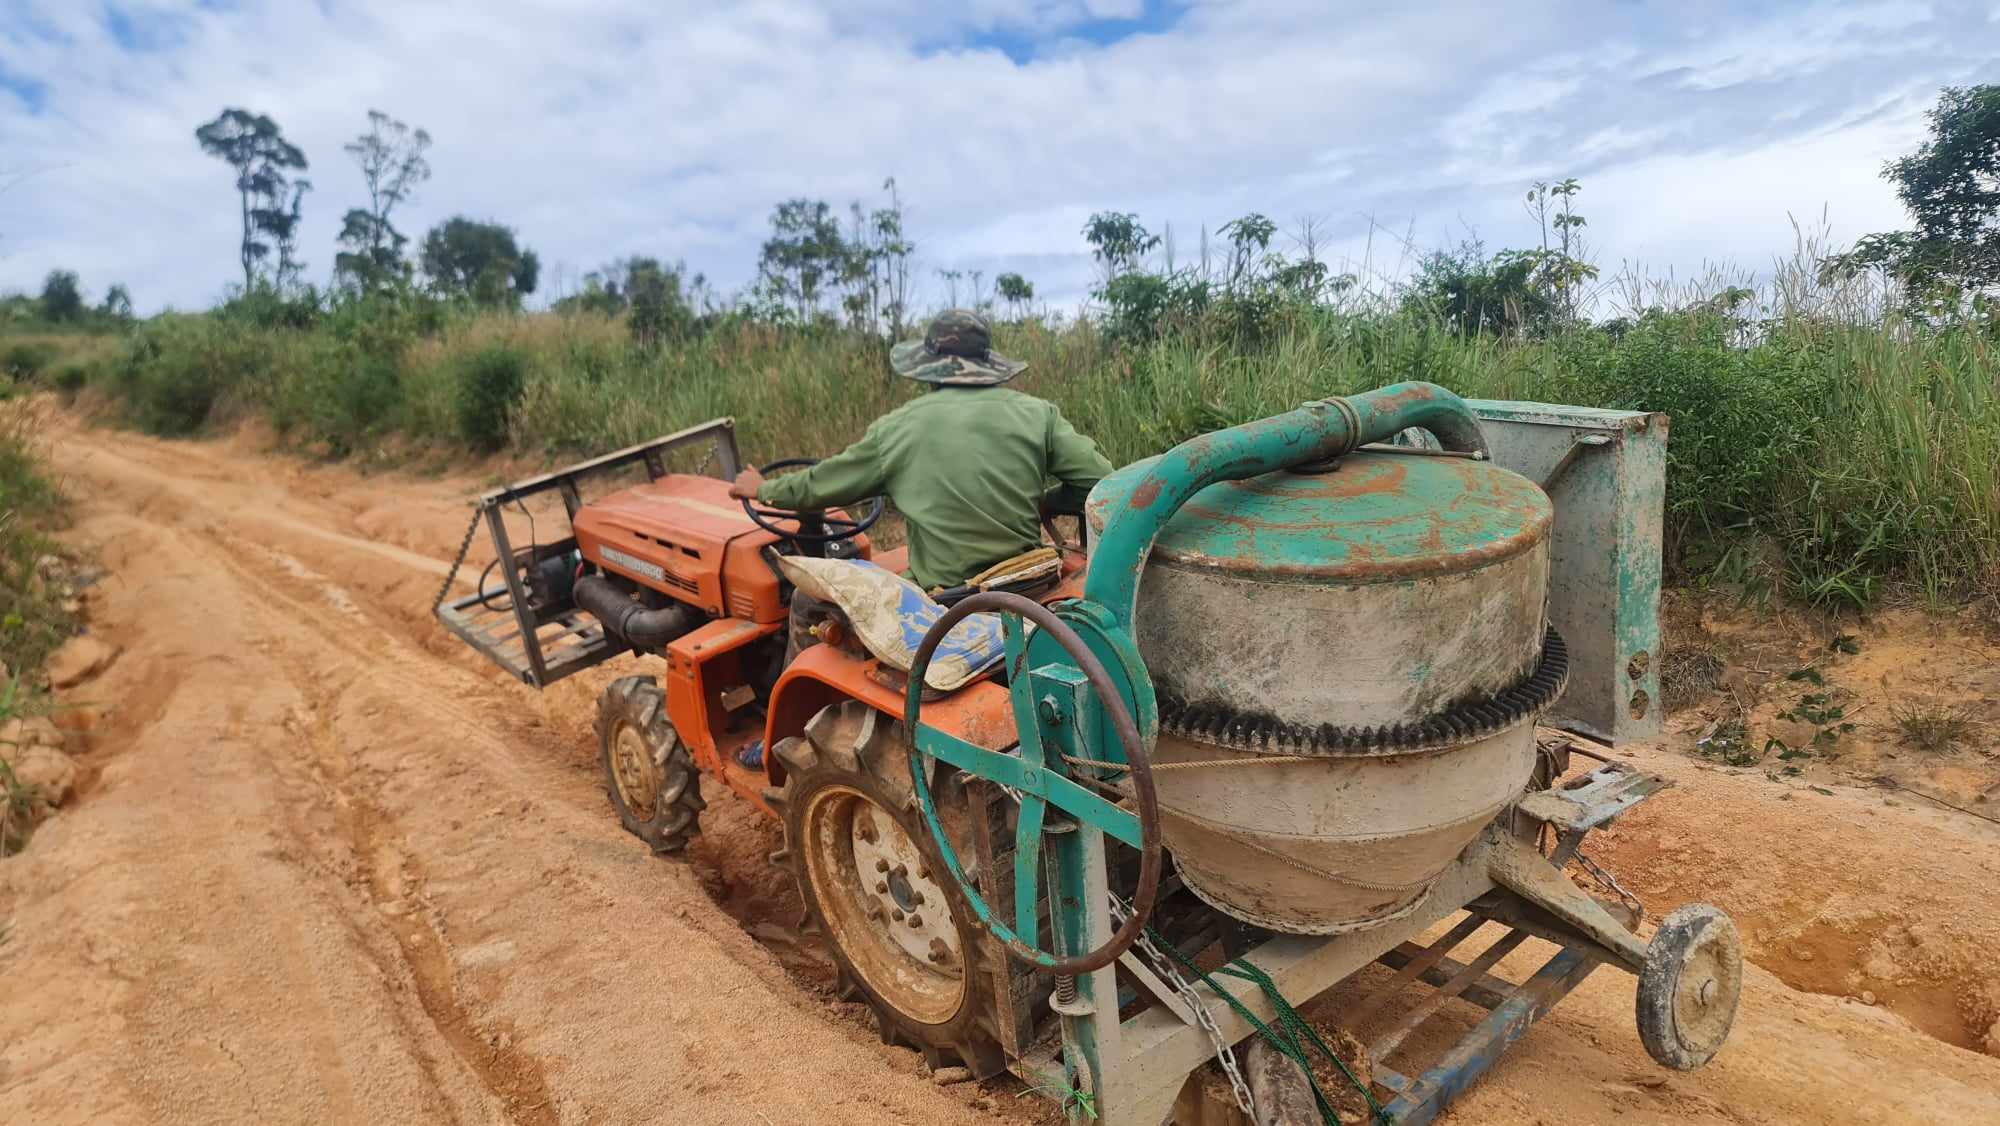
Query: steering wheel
<point x="1037" y="771"/>
<point x="814" y="527"/>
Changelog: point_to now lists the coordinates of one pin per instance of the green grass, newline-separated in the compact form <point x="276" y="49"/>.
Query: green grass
<point x="32" y="621"/>
<point x="1932" y="726"/>
<point x="1826" y="455"/>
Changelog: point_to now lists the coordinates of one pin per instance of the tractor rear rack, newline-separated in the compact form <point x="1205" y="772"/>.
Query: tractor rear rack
<point x="541" y="641"/>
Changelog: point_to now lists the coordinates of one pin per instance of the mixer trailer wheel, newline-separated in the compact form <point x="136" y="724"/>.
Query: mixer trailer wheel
<point x="1689" y="987"/>
<point x="872" y="883"/>
<point x="650" y="777"/>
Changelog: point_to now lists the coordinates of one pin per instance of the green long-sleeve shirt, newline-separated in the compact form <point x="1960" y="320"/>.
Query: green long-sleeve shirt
<point x="966" y="466"/>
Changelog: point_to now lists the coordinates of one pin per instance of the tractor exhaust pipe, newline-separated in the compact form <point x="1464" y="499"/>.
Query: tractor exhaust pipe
<point x="629" y="621"/>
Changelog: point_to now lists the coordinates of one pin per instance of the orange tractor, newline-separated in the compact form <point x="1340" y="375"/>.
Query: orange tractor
<point x="674" y="567"/>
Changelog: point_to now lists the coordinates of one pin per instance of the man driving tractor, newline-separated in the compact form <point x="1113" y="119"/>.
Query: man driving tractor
<point x="966" y="465"/>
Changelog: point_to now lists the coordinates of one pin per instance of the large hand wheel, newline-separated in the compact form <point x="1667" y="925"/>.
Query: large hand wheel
<point x="1039" y="775"/>
<point x="813" y="527"/>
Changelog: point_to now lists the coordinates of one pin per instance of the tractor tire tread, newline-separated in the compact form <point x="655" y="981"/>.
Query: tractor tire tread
<point x="637" y="702"/>
<point x="873" y="756"/>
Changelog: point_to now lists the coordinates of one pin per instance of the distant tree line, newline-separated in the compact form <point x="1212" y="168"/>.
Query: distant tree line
<point x="63" y="304"/>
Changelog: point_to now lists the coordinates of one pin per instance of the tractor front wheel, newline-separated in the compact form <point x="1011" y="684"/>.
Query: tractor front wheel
<point x="648" y="773"/>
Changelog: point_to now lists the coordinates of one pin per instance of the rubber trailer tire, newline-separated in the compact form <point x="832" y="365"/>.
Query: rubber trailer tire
<point x="1689" y="987"/>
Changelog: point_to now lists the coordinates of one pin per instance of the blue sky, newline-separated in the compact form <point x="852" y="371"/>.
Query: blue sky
<point x="1700" y="130"/>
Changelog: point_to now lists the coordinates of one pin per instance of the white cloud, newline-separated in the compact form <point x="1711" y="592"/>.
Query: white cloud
<point x="628" y="126"/>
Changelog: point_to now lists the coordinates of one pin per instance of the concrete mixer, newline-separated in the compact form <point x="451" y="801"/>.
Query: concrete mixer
<point x="1293" y="716"/>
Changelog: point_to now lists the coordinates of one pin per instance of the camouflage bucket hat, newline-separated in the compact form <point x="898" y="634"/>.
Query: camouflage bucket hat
<point x="957" y="350"/>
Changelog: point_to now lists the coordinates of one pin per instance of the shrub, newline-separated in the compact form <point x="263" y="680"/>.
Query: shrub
<point x="178" y="370"/>
<point x="489" y="386"/>
<point x="337" y="394"/>
<point x="26" y="359"/>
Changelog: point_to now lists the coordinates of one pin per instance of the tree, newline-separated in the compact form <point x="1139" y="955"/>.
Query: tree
<point x="117" y="303"/>
<point x="256" y="148"/>
<point x="62" y="297"/>
<point x="482" y="261"/>
<point x="1118" y="242"/>
<point x="391" y="157"/>
<point x="1478" y="295"/>
<point x="280" y="220"/>
<point x="1249" y="240"/>
<point x="893" y="250"/>
<point x="1951" y="186"/>
<point x="1559" y="269"/>
<point x="803" y="255"/>
<point x="951" y="278"/>
<point x="1016" y="291"/>
<point x="656" y="297"/>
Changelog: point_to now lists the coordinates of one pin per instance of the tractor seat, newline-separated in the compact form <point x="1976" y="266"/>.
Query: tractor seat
<point x="890" y="615"/>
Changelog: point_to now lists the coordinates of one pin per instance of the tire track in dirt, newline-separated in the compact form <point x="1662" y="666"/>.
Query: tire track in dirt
<point x="390" y="875"/>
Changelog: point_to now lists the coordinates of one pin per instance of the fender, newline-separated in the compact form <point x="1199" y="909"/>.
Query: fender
<point x="981" y="713"/>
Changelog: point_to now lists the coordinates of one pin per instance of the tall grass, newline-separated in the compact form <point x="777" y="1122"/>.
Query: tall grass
<point x="32" y="620"/>
<point x="1819" y="445"/>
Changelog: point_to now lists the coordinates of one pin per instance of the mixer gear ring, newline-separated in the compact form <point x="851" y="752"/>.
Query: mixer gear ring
<point x="1461" y="723"/>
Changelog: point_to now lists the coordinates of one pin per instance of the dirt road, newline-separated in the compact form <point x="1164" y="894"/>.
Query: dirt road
<point x="328" y="867"/>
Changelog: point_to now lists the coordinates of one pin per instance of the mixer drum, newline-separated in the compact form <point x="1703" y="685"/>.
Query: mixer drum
<point x="1357" y="657"/>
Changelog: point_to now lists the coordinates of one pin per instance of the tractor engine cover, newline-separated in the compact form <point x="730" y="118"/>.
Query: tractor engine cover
<point x="1356" y="655"/>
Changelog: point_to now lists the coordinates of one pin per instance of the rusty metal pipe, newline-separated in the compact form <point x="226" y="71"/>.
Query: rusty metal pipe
<point x="632" y="622"/>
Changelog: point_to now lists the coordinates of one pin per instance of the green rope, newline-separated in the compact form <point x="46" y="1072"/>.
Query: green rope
<point x="1289" y="1038"/>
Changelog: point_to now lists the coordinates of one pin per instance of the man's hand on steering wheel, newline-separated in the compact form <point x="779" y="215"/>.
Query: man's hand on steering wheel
<point x="811" y="526"/>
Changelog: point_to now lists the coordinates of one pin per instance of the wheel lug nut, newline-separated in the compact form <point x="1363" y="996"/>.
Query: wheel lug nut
<point x="916" y="898"/>
<point x="902" y="869"/>
<point x="881" y="865"/>
<point x="916" y="920"/>
<point x="897" y="914"/>
<point x="881" y="887"/>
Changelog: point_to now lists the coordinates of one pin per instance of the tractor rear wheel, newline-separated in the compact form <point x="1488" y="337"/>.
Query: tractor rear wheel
<point x="650" y="777"/>
<point x="868" y="871"/>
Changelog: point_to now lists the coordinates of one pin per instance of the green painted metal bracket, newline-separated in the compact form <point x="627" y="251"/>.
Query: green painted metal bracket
<point x="1054" y="716"/>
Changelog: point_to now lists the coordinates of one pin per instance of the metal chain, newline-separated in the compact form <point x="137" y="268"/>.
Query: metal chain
<point x="464" y="546"/>
<point x="1611" y="882"/>
<point x="1160" y="964"/>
